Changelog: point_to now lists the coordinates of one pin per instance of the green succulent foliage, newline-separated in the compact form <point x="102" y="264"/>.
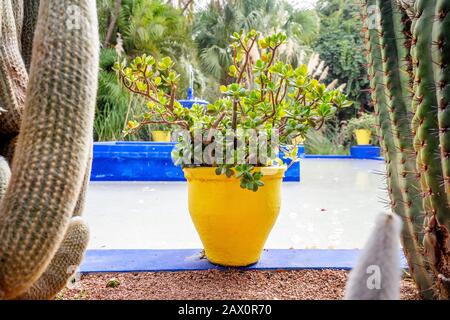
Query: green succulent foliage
<point x="283" y="99"/>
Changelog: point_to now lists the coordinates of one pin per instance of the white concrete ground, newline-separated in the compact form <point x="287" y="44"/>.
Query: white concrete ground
<point x="333" y="207"/>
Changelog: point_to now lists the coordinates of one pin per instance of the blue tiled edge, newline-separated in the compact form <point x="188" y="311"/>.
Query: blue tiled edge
<point x="146" y="161"/>
<point x="150" y="161"/>
<point x="99" y="261"/>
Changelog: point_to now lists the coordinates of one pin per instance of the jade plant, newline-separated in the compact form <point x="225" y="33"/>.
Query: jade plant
<point x="408" y="46"/>
<point x="268" y="102"/>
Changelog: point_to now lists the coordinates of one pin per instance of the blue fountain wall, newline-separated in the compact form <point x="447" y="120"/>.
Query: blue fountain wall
<point x="146" y="161"/>
<point x="152" y="161"/>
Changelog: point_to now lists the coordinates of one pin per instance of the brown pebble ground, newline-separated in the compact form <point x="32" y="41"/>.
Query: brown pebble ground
<point x="217" y="285"/>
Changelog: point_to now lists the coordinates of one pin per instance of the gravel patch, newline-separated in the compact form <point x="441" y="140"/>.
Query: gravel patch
<point x="217" y="285"/>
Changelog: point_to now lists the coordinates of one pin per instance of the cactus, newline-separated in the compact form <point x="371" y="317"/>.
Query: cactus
<point x="30" y="13"/>
<point x="42" y="237"/>
<point x="412" y="35"/>
<point x="377" y="273"/>
<point x="14" y="77"/>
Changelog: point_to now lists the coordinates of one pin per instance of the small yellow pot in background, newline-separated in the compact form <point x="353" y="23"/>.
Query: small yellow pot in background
<point x="363" y="137"/>
<point x="161" y="136"/>
<point x="298" y="141"/>
<point x="233" y="223"/>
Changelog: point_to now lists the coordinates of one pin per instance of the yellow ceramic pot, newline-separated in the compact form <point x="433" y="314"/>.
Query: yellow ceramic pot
<point x="363" y="137"/>
<point x="161" y="136"/>
<point x="233" y="223"/>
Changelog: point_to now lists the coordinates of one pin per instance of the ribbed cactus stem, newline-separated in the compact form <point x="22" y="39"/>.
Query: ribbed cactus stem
<point x="13" y="75"/>
<point x="437" y="231"/>
<point x="403" y="24"/>
<point x="63" y="265"/>
<point x="69" y="255"/>
<point x="17" y="6"/>
<point x="377" y="273"/>
<point x="30" y="14"/>
<point x="398" y="92"/>
<point x="79" y="207"/>
<point x="441" y="58"/>
<point x="379" y="100"/>
<point x="426" y="117"/>
<point x="398" y="97"/>
<point x="53" y="146"/>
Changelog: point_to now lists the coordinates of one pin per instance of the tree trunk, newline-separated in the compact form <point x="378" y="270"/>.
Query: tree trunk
<point x="112" y="23"/>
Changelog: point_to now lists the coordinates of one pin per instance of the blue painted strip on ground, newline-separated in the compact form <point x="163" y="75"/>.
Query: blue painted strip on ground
<point x="100" y="261"/>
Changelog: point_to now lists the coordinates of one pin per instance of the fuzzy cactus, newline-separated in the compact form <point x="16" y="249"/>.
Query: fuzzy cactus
<point x="42" y="237"/>
<point x="412" y="37"/>
<point x="377" y="273"/>
<point x="14" y="77"/>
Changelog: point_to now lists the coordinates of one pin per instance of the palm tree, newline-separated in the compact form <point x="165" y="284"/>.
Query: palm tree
<point x="215" y="25"/>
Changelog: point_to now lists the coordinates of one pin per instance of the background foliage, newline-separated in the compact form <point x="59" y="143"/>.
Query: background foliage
<point x="198" y="40"/>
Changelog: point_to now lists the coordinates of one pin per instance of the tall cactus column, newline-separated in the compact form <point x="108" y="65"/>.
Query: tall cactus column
<point x="438" y="229"/>
<point x="430" y="116"/>
<point x="30" y="14"/>
<point x="395" y="57"/>
<point x="441" y="59"/>
<point x="379" y="100"/>
<point x="427" y="135"/>
<point x="415" y="48"/>
<point x="14" y="77"/>
<point x="392" y="85"/>
<point x="38" y="237"/>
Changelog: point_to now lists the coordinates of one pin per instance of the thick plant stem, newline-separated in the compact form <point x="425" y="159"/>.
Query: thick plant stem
<point x="441" y="58"/>
<point x="30" y="14"/>
<point x="437" y="232"/>
<point x="403" y="24"/>
<point x="426" y="117"/>
<point x="397" y="91"/>
<point x="379" y="100"/>
<point x="63" y="265"/>
<point x="55" y="137"/>
<point x="13" y="75"/>
<point x="17" y="6"/>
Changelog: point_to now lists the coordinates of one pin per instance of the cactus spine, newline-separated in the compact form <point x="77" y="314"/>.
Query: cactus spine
<point x="396" y="68"/>
<point x="379" y="101"/>
<point x="441" y="57"/>
<point x="14" y="77"/>
<point x="30" y="14"/>
<point x="42" y="238"/>
<point x="415" y="50"/>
